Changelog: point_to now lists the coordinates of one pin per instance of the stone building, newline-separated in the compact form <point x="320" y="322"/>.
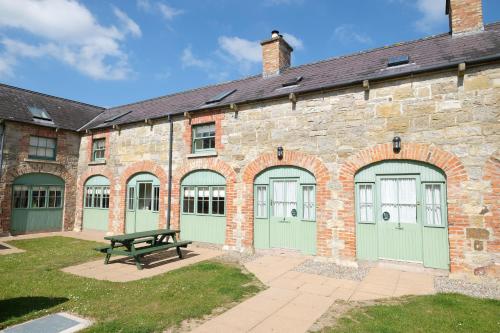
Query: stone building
<point x="388" y="154"/>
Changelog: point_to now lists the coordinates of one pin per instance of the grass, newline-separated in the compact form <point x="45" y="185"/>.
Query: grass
<point x="32" y="285"/>
<point x="436" y="313"/>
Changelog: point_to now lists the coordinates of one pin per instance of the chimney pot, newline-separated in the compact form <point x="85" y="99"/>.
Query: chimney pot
<point x="275" y="34"/>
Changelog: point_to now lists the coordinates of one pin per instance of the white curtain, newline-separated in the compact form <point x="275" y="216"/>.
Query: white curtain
<point x="407" y="190"/>
<point x="433" y="204"/>
<point x="365" y="203"/>
<point x="261" y="201"/>
<point x="279" y="199"/>
<point x="389" y="198"/>
<point x="308" y="197"/>
<point x="291" y="197"/>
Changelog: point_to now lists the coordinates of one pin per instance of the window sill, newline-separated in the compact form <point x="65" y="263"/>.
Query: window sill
<point x="31" y="160"/>
<point x="204" y="154"/>
<point x="97" y="162"/>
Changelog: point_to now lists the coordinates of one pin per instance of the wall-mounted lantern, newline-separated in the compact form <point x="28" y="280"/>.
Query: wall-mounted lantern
<point x="396" y="144"/>
<point x="280" y="153"/>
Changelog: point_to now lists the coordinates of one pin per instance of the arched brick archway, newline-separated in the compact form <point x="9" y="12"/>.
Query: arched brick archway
<point x="290" y="158"/>
<point x="54" y="169"/>
<point x="140" y="167"/>
<point x="447" y="162"/>
<point x="220" y="167"/>
<point x="491" y="202"/>
<point x="95" y="170"/>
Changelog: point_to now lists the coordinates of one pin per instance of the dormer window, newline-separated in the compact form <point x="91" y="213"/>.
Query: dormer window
<point x="398" y="61"/>
<point x="40" y="114"/>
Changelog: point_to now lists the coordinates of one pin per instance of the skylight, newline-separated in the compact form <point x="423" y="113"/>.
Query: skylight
<point x="398" y="60"/>
<point x="39" y="113"/>
<point x="220" y="96"/>
<point x="292" y="82"/>
<point x="117" y="116"/>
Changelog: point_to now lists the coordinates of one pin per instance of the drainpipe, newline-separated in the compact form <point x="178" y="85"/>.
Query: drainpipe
<point x="170" y="145"/>
<point x="2" y="136"/>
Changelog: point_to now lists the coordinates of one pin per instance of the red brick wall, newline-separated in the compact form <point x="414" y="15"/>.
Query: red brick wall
<point x="106" y="134"/>
<point x="203" y="118"/>
<point x="298" y="159"/>
<point x="455" y="175"/>
<point x="466" y="15"/>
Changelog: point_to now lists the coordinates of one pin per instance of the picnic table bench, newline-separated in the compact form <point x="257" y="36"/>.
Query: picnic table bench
<point x="138" y="244"/>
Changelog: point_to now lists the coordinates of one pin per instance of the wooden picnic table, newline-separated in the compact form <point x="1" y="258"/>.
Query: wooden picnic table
<point x="138" y="244"/>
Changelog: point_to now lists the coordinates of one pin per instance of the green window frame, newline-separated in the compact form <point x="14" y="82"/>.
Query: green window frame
<point x="145" y="196"/>
<point x="188" y="199"/>
<point x="42" y="148"/>
<point x="434" y="208"/>
<point x="37" y="196"/>
<point x="55" y="197"/>
<point x="308" y="202"/>
<point x="97" y="197"/>
<point x="203" y="138"/>
<point x="98" y="149"/>
<point x="218" y="200"/>
<point x="21" y="196"/>
<point x="156" y="198"/>
<point x="131" y="198"/>
<point x="204" y="200"/>
<point x="261" y="202"/>
<point x="365" y="203"/>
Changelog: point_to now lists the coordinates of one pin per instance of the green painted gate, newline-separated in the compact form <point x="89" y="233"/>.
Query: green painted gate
<point x="401" y="213"/>
<point x="143" y="199"/>
<point x="96" y="203"/>
<point x="285" y="210"/>
<point x="203" y="207"/>
<point x="37" y="203"/>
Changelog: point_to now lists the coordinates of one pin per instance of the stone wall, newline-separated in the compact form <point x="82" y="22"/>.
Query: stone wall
<point x="17" y="163"/>
<point x="443" y="119"/>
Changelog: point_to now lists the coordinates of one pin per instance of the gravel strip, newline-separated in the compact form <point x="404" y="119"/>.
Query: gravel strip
<point x="481" y="290"/>
<point x="242" y="258"/>
<point x="332" y="270"/>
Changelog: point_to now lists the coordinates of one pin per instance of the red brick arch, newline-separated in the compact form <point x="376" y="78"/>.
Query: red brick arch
<point x="141" y="167"/>
<point x="491" y="201"/>
<point x="447" y="162"/>
<point x="212" y="164"/>
<point x="290" y="158"/>
<point x="95" y="170"/>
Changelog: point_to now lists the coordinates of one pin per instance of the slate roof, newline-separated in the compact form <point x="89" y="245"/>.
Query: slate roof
<point x="425" y="54"/>
<point x="65" y="114"/>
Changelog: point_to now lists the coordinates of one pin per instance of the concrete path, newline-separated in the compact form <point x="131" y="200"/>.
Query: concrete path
<point x="295" y="300"/>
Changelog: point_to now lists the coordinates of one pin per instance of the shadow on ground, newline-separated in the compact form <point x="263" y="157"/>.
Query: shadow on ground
<point x="20" y="306"/>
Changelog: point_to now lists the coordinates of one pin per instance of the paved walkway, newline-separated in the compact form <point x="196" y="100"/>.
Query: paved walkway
<point x="295" y="300"/>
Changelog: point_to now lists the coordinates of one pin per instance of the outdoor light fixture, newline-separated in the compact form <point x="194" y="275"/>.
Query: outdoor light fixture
<point x="396" y="144"/>
<point x="280" y="153"/>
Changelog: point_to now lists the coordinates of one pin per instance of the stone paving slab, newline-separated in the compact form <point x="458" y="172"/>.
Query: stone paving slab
<point x="55" y="323"/>
<point x="123" y="269"/>
<point x="8" y="249"/>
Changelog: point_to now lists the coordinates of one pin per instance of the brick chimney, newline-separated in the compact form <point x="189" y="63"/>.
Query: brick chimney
<point x="276" y="54"/>
<point x="466" y="16"/>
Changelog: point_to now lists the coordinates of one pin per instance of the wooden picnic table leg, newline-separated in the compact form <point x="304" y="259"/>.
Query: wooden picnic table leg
<point x="178" y="249"/>
<point x="108" y="253"/>
<point x="137" y="258"/>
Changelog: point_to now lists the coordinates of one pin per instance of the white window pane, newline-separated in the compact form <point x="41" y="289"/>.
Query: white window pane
<point x="33" y="141"/>
<point x="428" y="194"/>
<point x="42" y="142"/>
<point x="407" y="191"/>
<point x="369" y="195"/>
<point x="437" y="215"/>
<point x="51" y="143"/>
<point x="437" y="194"/>
<point x="32" y="151"/>
<point x="389" y="191"/>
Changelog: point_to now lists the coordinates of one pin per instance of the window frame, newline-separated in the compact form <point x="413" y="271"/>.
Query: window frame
<point x="155" y="200"/>
<point x="210" y="200"/>
<point x="358" y="203"/>
<point x="194" y="200"/>
<point x="211" y="189"/>
<point x="95" y="150"/>
<point x="194" y="139"/>
<point x="416" y="177"/>
<point x="302" y="203"/>
<point x="443" y="204"/>
<point x="131" y="199"/>
<point x="102" y="199"/>
<point x="27" y="198"/>
<point x="36" y="157"/>
<point x="266" y="202"/>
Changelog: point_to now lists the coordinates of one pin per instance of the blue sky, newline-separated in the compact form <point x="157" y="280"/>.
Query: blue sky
<point x="112" y="52"/>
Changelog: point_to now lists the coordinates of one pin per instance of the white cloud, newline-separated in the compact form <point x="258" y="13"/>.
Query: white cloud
<point x="433" y="14"/>
<point x="68" y="32"/>
<point x="144" y="5"/>
<point x="168" y="12"/>
<point x="190" y="60"/>
<point x="128" y="23"/>
<point x="295" y="42"/>
<point x="346" y="33"/>
<point x="241" y="49"/>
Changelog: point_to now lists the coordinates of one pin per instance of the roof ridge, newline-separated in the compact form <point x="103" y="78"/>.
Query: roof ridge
<point x="185" y="91"/>
<point x="51" y="96"/>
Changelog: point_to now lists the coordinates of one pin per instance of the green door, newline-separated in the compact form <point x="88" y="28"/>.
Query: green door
<point x="96" y="203"/>
<point x="203" y="207"/>
<point x="398" y="218"/>
<point x="37" y="203"/>
<point x="401" y="213"/>
<point x="284" y="205"/>
<point x="143" y="194"/>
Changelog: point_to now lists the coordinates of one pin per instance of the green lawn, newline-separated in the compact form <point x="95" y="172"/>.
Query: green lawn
<point x="32" y="285"/>
<point x="437" y="313"/>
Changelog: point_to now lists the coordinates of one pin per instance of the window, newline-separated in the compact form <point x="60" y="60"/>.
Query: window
<point x="38" y="197"/>
<point x="105" y="197"/>
<point x="42" y="148"/>
<point x="98" y="149"/>
<point x="21" y="195"/>
<point x="203" y="138"/>
<point x="144" y="197"/>
<point x="308" y="203"/>
<point x="156" y="198"/>
<point x="88" y="196"/>
<point x="203" y="200"/>
<point x="55" y="197"/>
<point x="131" y="198"/>
<point x="188" y="200"/>
<point x="218" y="200"/>
<point x="433" y="210"/>
<point x="39" y="113"/>
<point x="261" y="196"/>
<point x="284" y="198"/>
<point x="399" y="199"/>
<point x="365" y="203"/>
<point x="97" y="197"/>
